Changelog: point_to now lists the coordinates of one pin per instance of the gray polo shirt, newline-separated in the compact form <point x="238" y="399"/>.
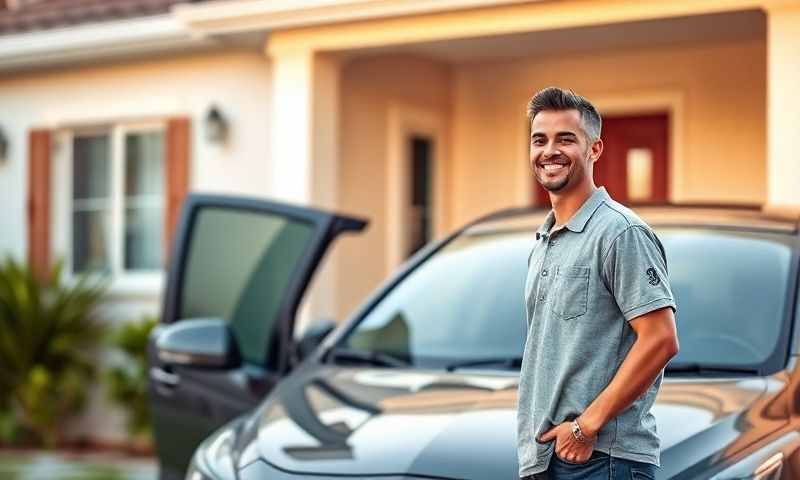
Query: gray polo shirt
<point x="585" y="281"/>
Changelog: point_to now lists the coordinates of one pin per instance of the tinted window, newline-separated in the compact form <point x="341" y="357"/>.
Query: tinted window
<point x="238" y="267"/>
<point x="466" y="302"/>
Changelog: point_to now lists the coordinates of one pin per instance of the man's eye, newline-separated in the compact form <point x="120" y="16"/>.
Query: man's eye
<point x="537" y="141"/>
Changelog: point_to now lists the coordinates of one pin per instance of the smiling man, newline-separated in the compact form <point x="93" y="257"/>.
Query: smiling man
<point x="599" y="310"/>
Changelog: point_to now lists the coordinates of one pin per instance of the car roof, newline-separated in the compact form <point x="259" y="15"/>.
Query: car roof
<point x="750" y="218"/>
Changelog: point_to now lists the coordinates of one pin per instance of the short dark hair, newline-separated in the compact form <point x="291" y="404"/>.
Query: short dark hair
<point x="554" y="98"/>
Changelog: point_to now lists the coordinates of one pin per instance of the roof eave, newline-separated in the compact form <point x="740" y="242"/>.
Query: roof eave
<point x="238" y="16"/>
<point x="100" y="41"/>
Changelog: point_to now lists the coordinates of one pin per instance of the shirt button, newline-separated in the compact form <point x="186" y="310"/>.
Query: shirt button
<point x="552" y="243"/>
<point x="541" y="297"/>
<point x="544" y="272"/>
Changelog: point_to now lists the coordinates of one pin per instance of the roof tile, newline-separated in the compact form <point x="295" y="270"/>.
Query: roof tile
<point x="32" y="15"/>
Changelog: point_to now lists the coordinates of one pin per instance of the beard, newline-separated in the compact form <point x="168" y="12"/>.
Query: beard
<point x="558" y="184"/>
<point x="555" y="185"/>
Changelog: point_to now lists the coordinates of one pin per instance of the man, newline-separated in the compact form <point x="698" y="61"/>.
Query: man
<point x="599" y="309"/>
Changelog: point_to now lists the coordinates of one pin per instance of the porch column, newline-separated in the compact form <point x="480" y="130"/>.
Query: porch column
<point x="305" y="149"/>
<point x="783" y="108"/>
<point x="305" y="117"/>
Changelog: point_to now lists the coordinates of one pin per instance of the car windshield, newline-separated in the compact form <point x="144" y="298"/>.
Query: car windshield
<point x="465" y="303"/>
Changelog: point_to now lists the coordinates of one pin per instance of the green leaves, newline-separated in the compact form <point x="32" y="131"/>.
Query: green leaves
<point x="48" y="335"/>
<point x="127" y="381"/>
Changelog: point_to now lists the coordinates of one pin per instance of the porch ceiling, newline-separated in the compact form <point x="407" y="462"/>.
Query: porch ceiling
<point x="719" y="27"/>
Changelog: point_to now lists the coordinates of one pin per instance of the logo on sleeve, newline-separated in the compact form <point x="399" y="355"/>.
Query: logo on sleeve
<point x="652" y="277"/>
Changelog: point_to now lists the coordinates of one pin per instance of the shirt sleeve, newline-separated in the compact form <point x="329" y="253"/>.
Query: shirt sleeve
<point x="635" y="272"/>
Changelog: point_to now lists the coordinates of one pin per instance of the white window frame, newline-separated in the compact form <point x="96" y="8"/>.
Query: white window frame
<point x="123" y="282"/>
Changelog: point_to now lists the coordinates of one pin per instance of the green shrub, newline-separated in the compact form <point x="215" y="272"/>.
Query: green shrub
<point x="127" y="382"/>
<point x="48" y="336"/>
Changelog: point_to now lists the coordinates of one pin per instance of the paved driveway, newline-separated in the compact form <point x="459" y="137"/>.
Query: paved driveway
<point x="60" y="466"/>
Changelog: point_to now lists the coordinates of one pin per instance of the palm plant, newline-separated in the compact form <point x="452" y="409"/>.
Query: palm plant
<point x="48" y="333"/>
<point x="127" y="380"/>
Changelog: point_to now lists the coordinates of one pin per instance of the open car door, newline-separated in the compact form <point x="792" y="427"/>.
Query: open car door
<point x="238" y="270"/>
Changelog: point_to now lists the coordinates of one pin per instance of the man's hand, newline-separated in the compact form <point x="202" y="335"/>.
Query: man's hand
<point x="567" y="446"/>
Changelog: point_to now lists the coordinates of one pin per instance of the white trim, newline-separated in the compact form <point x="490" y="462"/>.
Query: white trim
<point x="524" y="177"/>
<point x="259" y="15"/>
<point x="404" y="121"/>
<point x="117" y="221"/>
<point x="93" y="41"/>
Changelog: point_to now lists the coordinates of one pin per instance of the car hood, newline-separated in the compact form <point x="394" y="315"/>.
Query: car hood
<point x="338" y="420"/>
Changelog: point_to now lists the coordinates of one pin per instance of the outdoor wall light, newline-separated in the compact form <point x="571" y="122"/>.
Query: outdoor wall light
<point x="3" y="147"/>
<point x="216" y="126"/>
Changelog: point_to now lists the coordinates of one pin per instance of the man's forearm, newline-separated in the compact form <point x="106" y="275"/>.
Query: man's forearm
<point x="638" y="371"/>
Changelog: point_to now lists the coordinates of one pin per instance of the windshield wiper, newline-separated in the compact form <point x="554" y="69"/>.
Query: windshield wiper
<point x="709" y="369"/>
<point x="364" y="356"/>
<point x="505" y="362"/>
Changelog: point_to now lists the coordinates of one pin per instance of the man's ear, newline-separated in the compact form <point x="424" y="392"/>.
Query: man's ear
<point x="596" y="149"/>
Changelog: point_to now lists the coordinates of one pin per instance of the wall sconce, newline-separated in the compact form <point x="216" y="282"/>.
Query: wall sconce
<point x="216" y="126"/>
<point x="3" y="147"/>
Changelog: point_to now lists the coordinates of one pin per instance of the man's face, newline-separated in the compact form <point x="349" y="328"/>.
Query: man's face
<point x="560" y="154"/>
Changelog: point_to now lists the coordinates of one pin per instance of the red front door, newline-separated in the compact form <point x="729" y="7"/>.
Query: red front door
<point x="634" y="163"/>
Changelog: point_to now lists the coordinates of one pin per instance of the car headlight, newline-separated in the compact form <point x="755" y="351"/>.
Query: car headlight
<point x="194" y="474"/>
<point x="213" y="459"/>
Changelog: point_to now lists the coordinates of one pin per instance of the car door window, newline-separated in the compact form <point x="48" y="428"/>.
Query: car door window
<point x="238" y="268"/>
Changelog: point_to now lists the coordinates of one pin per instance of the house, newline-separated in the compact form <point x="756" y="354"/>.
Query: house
<point x="410" y="113"/>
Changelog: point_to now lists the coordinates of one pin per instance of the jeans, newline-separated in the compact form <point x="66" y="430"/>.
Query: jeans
<point x="599" y="467"/>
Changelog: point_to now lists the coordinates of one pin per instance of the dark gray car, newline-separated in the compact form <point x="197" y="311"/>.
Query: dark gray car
<point x="421" y="381"/>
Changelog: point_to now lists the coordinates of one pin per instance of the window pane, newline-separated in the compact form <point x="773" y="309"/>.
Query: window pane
<point x="144" y="212"/>
<point x="90" y="241"/>
<point x="91" y="173"/>
<point x="640" y="174"/>
<point x="90" y="169"/>
<point x="144" y="163"/>
<point x="238" y="268"/>
<point x="143" y="246"/>
<point x="419" y="211"/>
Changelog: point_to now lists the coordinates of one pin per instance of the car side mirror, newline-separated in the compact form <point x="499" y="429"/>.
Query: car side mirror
<point x="314" y="336"/>
<point x="200" y="342"/>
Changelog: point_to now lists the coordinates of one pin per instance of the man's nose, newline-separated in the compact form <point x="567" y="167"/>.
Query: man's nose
<point x="551" y="150"/>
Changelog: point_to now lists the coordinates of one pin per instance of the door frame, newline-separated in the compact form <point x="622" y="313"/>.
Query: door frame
<point x="670" y="102"/>
<point x="405" y="121"/>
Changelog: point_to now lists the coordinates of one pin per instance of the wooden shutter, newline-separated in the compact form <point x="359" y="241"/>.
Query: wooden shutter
<point x="39" y="142"/>
<point x="176" y="173"/>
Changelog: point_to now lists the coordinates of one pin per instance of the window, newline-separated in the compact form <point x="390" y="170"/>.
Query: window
<point x="420" y="210"/>
<point x="248" y="260"/>
<point x="477" y="311"/>
<point x="117" y="200"/>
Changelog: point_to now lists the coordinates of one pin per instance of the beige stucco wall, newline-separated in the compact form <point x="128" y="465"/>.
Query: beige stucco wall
<point x="717" y="92"/>
<point x="238" y="82"/>
<point x="721" y="89"/>
<point x="370" y="86"/>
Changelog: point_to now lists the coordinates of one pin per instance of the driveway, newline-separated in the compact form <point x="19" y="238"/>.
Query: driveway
<point x="15" y="465"/>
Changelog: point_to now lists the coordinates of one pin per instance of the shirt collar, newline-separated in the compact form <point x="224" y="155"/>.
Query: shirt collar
<point x="578" y="221"/>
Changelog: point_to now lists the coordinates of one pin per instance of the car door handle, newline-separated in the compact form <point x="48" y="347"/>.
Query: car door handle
<point x="163" y="377"/>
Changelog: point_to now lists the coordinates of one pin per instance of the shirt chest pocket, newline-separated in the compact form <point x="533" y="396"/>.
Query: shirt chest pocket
<point x="571" y="292"/>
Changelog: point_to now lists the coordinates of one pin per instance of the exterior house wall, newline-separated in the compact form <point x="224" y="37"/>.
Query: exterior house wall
<point x="722" y="89"/>
<point x="370" y="87"/>
<point x="237" y="82"/>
